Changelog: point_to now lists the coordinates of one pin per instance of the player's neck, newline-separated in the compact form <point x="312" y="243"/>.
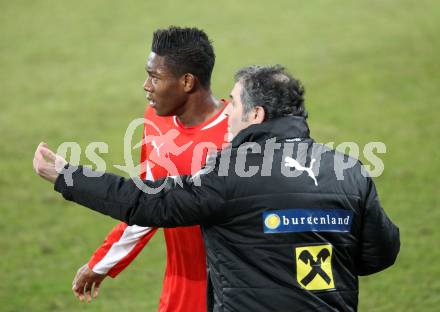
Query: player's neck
<point x="201" y="106"/>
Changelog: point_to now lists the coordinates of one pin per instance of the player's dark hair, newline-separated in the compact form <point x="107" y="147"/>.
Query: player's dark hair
<point x="186" y="50"/>
<point x="272" y="88"/>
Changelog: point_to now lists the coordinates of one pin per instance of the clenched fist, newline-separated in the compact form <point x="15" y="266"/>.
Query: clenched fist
<point x="47" y="164"/>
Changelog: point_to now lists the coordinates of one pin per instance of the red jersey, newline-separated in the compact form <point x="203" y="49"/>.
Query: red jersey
<point x="169" y="149"/>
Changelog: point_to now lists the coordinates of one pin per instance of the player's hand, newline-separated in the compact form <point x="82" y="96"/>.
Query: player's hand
<point x="86" y="283"/>
<point x="47" y="164"/>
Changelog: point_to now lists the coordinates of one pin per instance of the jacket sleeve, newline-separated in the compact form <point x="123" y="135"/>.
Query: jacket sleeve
<point x="380" y="242"/>
<point x="170" y="202"/>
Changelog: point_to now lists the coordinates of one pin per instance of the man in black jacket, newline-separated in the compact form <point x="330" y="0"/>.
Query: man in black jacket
<point x="288" y="226"/>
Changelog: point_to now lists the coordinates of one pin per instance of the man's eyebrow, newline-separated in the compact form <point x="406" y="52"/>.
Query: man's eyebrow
<point x="151" y="72"/>
<point x="149" y="69"/>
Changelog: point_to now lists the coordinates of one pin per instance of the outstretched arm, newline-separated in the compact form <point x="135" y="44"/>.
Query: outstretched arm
<point x="123" y="200"/>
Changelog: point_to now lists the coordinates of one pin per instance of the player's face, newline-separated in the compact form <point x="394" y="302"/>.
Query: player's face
<point x="164" y="90"/>
<point x="237" y="120"/>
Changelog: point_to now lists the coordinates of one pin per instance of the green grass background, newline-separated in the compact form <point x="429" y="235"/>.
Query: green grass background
<point x="73" y="71"/>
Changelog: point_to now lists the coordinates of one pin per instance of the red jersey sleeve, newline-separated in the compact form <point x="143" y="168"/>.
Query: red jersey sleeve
<point x="120" y="248"/>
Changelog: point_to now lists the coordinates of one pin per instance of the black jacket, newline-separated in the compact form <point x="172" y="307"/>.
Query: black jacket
<point x="283" y="239"/>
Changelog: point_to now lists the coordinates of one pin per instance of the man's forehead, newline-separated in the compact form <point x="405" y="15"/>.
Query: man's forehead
<point x="151" y="56"/>
<point x="155" y="62"/>
<point x="235" y="92"/>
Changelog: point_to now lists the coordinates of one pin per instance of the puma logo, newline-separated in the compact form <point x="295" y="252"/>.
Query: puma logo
<point x="157" y="148"/>
<point x="290" y="162"/>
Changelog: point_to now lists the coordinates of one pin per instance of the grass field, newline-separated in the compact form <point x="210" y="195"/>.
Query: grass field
<point x="73" y="71"/>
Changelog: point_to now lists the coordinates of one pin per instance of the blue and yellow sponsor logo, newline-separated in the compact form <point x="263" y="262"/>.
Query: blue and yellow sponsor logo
<point x="314" y="267"/>
<point x="307" y="220"/>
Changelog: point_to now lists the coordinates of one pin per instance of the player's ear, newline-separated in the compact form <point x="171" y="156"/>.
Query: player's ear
<point x="189" y="82"/>
<point x="259" y="114"/>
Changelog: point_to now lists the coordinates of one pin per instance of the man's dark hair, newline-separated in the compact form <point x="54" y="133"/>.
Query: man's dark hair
<point x="272" y="88"/>
<point x="186" y="50"/>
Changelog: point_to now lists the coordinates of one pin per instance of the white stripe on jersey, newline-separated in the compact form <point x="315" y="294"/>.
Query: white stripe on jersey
<point x="215" y="122"/>
<point x="175" y="121"/>
<point x="121" y="248"/>
<point x="149" y="174"/>
<point x="218" y="120"/>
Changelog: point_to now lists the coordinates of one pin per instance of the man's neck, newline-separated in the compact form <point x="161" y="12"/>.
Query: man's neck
<point x="200" y="107"/>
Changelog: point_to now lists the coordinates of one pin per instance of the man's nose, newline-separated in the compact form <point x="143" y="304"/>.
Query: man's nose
<point x="148" y="85"/>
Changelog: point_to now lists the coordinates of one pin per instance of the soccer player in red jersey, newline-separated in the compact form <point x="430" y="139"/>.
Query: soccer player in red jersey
<point x="182" y="123"/>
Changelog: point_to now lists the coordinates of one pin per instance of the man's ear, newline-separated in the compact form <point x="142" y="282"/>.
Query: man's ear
<point x="189" y="82"/>
<point x="258" y="115"/>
